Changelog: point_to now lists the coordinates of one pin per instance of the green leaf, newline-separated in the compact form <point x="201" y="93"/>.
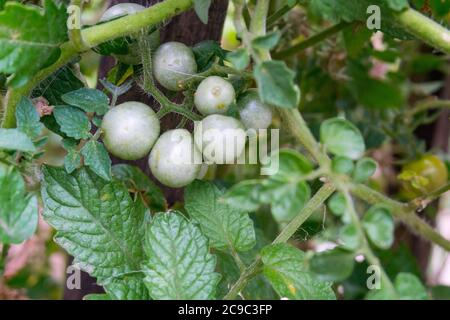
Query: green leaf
<point x="59" y="83"/>
<point x="351" y="10"/>
<point x="98" y="223"/>
<point x="365" y="168"/>
<point x="258" y="287"/>
<point x="179" y="266"/>
<point x="226" y="227"/>
<point x="245" y="195"/>
<point x="18" y="211"/>
<point x="96" y="157"/>
<point x="286" y="191"/>
<point x="349" y="237"/>
<point x="14" y="139"/>
<point x="72" y="159"/>
<point x="337" y="204"/>
<point x="333" y="265"/>
<point x="31" y="42"/>
<point x="134" y="178"/>
<point x="268" y="41"/>
<point x="379" y="226"/>
<point x="409" y="287"/>
<point x="342" y="138"/>
<point x="201" y="8"/>
<point x="206" y="53"/>
<point x="440" y="292"/>
<point x="89" y="100"/>
<point x="27" y="118"/>
<point x="73" y="122"/>
<point x="239" y="58"/>
<point x="284" y="267"/>
<point x="342" y="165"/>
<point x="373" y="93"/>
<point x="276" y="84"/>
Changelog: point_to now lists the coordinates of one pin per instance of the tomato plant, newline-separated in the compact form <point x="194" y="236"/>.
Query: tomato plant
<point x="341" y="95"/>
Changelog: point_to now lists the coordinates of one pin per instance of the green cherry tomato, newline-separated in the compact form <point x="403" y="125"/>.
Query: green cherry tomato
<point x="129" y="130"/>
<point x="123" y="9"/>
<point x="423" y="176"/>
<point x="174" y="160"/>
<point x="221" y="139"/>
<point x="173" y="64"/>
<point x="214" y="95"/>
<point x="253" y="112"/>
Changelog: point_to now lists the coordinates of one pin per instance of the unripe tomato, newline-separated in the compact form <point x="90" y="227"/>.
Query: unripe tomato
<point x="129" y="130"/>
<point x="214" y="95"/>
<point x="423" y="176"/>
<point x="123" y="9"/>
<point x="221" y="139"/>
<point x="253" y="112"/>
<point x="173" y="64"/>
<point x="174" y="160"/>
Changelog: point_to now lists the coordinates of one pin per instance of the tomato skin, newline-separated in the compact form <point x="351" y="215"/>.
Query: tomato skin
<point x="173" y="64"/>
<point x="254" y="113"/>
<point x="430" y="167"/>
<point x="214" y="96"/>
<point x="120" y="10"/>
<point x="174" y="160"/>
<point x="123" y="9"/>
<point x="220" y="138"/>
<point x="129" y="130"/>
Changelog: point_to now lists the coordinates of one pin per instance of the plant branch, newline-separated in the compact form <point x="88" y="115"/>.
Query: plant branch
<point x="312" y="41"/>
<point x="93" y="36"/>
<point x="273" y="18"/>
<point x="313" y="204"/>
<point x="422" y="202"/>
<point x="365" y="247"/>
<point x="425" y="29"/>
<point x="425" y="106"/>
<point x="404" y="212"/>
<point x="299" y="129"/>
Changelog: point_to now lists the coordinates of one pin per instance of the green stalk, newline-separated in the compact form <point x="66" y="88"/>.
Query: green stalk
<point x="424" y="28"/>
<point x="365" y="247"/>
<point x="313" y="204"/>
<point x="404" y="212"/>
<point x="299" y="129"/>
<point x="92" y="37"/>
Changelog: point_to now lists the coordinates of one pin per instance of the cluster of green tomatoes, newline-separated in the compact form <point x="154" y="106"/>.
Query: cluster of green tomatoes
<point x="131" y="130"/>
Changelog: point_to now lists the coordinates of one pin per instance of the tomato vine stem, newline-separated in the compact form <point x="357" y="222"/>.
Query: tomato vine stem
<point x="365" y="246"/>
<point x="313" y="204"/>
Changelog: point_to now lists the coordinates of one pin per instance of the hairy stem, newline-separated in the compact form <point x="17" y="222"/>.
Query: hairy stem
<point x="404" y="212"/>
<point x="273" y="18"/>
<point x="316" y="201"/>
<point x="425" y="29"/>
<point x="313" y="204"/>
<point x="299" y="129"/>
<point x="365" y="247"/>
